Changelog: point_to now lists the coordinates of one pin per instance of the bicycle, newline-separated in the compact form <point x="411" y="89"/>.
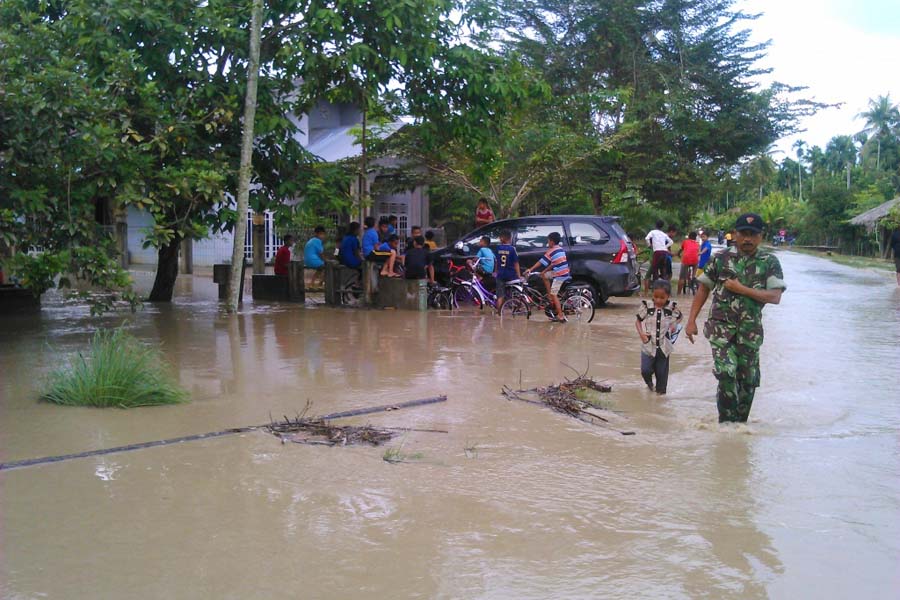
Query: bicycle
<point x="576" y="303"/>
<point x="472" y="292"/>
<point x="440" y="297"/>
<point x="690" y="280"/>
<point x="351" y="290"/>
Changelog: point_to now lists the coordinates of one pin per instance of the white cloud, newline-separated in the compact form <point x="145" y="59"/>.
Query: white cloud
<point x="838" y="61"/>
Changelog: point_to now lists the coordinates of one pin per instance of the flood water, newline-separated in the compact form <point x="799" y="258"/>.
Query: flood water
<point x="804" y="501"/>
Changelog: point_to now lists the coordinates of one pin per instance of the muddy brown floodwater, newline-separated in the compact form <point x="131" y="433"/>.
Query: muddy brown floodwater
<point x="514" y="502"/>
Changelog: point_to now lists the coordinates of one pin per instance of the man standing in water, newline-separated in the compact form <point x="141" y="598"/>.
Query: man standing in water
<point x="742" y="279"/>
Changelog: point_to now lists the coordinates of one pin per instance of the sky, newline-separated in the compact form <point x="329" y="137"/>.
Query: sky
<point x="844" y="51"/>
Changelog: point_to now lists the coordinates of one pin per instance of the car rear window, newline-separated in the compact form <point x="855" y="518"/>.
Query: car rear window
<point x="619" y="231"/>
<point x="587" y="234"/>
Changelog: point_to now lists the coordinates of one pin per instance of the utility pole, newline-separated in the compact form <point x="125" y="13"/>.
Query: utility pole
<point x="243" y="196"/>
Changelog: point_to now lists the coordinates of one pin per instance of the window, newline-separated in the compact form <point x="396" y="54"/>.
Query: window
<point x="587" y="234"/>
<point x="534" y="236"/>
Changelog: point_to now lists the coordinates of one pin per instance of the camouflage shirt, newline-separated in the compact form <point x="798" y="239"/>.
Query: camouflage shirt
<point x="729" y="311"/>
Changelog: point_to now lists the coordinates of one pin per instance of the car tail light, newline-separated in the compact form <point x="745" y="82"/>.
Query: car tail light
<point x="622" y="256"/>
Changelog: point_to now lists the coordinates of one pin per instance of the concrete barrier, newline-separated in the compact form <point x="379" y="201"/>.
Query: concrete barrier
<point x="402" y="294"/>
<point x="222" y="276"/>
<point x="296" y="281"/>
<point x="270" y="287"/>
<point x="15" y="299"/>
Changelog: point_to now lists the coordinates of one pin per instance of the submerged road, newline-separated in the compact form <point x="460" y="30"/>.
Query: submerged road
<point x="516" y="501"/>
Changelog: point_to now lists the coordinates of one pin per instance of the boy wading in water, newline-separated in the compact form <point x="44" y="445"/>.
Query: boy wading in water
<point x="657" y="324"/>
<point x="742" y="280"/>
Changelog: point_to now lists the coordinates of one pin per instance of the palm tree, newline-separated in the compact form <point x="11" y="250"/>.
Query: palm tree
<point x="761" y="169"/>
<point x="816" y="163"/>
<point x="881" y="118"/>
<point x="840" y="153"/>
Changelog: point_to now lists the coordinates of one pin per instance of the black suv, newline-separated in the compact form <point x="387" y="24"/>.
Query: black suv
<point x="601" y="257"/>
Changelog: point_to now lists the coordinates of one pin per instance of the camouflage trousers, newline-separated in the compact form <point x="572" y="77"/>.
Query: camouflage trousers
<point x="736" y="366"/>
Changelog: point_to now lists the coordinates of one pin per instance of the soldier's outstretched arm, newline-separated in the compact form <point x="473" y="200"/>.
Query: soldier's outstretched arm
<point x="699" y="300"/>
<point x="772" y="296"/>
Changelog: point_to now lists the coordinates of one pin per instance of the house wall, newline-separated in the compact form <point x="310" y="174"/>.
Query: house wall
<point x="138" y="223"/>
<point x="215" y="249"/>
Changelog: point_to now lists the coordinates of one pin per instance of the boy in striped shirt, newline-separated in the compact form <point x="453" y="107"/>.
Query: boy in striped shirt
<point x="555" y="272"/>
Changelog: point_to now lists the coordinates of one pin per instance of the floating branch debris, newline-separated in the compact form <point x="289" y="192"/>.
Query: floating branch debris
<point x="315" y="430"/>
<point x="569" y="398"/>
<point x="306" y="430"/>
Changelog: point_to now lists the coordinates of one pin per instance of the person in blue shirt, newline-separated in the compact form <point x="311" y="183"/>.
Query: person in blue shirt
<point x="486" y="264"/>
<point x="390" y="249"/>
<point x="370" y="239"/>
<point x="314" y="255"/>
<point x="506" y="267"/>
<point x="349" y="255"/>
<point x="392" y="224"/>
<point x="370" y="246"/>
<point x="705" y="253"/>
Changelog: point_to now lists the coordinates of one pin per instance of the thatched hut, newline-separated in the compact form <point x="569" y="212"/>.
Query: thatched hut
<point x="874" y="220"/>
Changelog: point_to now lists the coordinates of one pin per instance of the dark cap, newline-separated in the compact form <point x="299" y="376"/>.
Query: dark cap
<point x="749" y="221"/>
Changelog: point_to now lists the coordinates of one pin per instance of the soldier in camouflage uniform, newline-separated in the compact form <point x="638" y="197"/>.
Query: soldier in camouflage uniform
<point x="742" y="279"/>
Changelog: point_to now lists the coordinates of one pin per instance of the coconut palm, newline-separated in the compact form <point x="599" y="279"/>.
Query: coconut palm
<point x="761" y="170"/>
<point x="881" y="119"/>
<point x="840" y="153"/>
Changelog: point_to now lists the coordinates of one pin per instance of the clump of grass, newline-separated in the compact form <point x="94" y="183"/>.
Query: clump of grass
<point x="593" y="399"/>
<point x="119" y="371"/>
<point x="397" y="455"/>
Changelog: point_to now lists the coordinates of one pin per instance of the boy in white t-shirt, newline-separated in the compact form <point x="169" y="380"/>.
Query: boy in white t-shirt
<point x="659" y="243"/>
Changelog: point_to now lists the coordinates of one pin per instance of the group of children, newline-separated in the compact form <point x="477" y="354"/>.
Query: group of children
<point x="694" y="256"/>
<point x="381" y="243"/>
<point x="503" y="265"/>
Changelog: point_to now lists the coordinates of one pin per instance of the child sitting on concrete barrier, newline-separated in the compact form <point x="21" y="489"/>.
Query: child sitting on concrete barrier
<point x="390" y="249"/>
<point x="657" y="324"/>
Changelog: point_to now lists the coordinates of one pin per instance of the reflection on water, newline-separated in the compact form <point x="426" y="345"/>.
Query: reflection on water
<point x="807" y="492"/>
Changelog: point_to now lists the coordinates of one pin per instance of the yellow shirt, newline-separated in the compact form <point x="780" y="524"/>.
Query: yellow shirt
<point x="430" y="244"/>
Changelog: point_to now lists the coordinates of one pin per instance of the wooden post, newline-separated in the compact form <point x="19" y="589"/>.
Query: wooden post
<point x="259" y="244"/>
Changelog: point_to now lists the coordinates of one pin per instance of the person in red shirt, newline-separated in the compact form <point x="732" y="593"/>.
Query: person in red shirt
<point x="483" y="214"/>
<point x="690" y="257"/>
<point x="283" y="256"/>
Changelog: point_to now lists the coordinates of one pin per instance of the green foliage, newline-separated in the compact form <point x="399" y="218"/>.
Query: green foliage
<point x="119" y="371"/>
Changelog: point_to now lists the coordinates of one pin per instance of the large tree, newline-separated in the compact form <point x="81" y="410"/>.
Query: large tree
<point x="672" y="80"/>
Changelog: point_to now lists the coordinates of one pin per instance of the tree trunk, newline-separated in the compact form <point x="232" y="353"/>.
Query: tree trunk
<point x="597" y="201"/>
<point x="166" y="272"/>
<point x="243" y="197"/>
<point x="848" y="176"/>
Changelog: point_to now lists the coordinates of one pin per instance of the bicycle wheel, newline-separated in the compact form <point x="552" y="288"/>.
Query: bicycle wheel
<point x="351" y="296"/>
<point x="465" y="296"/>
<point x="515" y="308"/>
<point x="443" y="300"/>
<point x="578" y="308"/>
